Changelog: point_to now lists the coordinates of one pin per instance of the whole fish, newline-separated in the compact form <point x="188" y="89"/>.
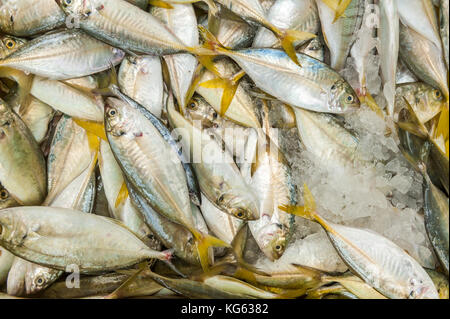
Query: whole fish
<point x="151" y="165"/>
<point x="181" y="20"/>
<point x="141" y="79"/>
<point x="22" y="165"/>
<point x="375" y="259"/>
<point x="124" y="26"/>
<point x="218" y="176"/>
<point x="288" y="14"/>
<point x="63" y="55"/>
<point x="340" y="35"/>
<point x="44" y="234"/>
<point x="389" y="46"/>
<point x="423" y="58"/>
<point x="314" y="85"/>
<point x="29" y="17"/>
<point x="273" y="183"/>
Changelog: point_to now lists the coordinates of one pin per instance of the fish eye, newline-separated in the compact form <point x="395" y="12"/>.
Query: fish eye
<point x="4" y="194"/>
<point x="277" y="247"/>
<point x="350" y="98"/>
<point x="112" y="112"/>
<point x="39" y="281"/>
<point x="193" y="105"/>
<point x="333" y="87"/>
<point x="239" y="214"/>
<point x="437" y="94"/>
<point x="67" y="2"/>
<point x="10" y="44"/>
<point x="215" y="115"/>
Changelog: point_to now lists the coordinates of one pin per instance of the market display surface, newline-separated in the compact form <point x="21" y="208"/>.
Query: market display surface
<point x="224" y="149"/>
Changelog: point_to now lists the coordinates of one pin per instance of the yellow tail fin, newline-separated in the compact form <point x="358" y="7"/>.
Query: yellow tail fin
<point x="160" y="4"/>
<point x="308" y="211"/>
<point x="205" y="241"/>
<point x="122" y="195"/>
<point x="338" y="6"/>
<point x="97" y="129"/>
<point x="229" y="87"/>
<point x="288" y="39"/>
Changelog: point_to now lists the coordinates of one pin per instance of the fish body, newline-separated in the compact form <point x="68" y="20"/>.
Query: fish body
<point x="64" y="55"/>
<point x="50" y="236"/>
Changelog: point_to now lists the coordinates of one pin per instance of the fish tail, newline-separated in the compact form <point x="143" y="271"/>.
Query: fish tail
<point x="229" y="87"/>
<point x="288" y="39"/>
<point x="97" y="129"/>
<point x="308" y="211"/>
<point x="414" y="126"/>
<point x="194" y="84"/>
<point x="122" y="195"/>
<point x="116" y="293"/>
<point x="160" y="4"/>
<point x="113" y="83"/>
<point x="204" y="242"/>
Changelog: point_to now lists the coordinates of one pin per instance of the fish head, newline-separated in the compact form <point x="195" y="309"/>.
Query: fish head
<point x="10" y="44"/>
<point x="13" y="231"/>
<point x="6" y="200"/>
<point x="118" y="118"/>
<point x="38" y="278"/>
<point x="420" y="289"/>
<point x="76" y="7"/>
<point x="342" y="98"/>
<point x="200" y="110"/>
<point x="242" y="206"/>
<point x="273" y="240"/>
<point x="7" y="120"/>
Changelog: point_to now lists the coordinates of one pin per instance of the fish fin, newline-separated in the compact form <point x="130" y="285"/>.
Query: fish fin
<point x="342" y="6"/>
<point x="116" y="293"/>
<point x="229" y="89"/>
<point x="160" y="4"/>
<point x="210" y="48"/>
<point x="113" y="81"/>
<point x="287" y="39"/>
<point x="195" y="82"/>
<point x="442" y="129"/>
<point x="307" y="211"/>
<point x="122" y="195"/>
<point x="97" y="129"/>
<point x="415" y="127"/>
<point x="310" y="271"/>
<point x="370" y="101"/>
<point x="203" y="242"/>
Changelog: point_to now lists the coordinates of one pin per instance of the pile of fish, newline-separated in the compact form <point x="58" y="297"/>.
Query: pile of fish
<point x="157" y="148"/>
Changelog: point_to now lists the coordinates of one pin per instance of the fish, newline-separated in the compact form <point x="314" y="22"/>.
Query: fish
<point x="150" y="164"/>
<point x="423" y="58"/>
<point x="330" y="142"/>
<point x="223" y="225"/>
<point x="339" y="35"/>
<point x="5" y="198"/>
<point x="444" y="27"/>
<point x="436" y="210"/>
<point x="314" y="86"/>
<point x="9" y="44"/>
<point x="22" y="164"/>
<point x="24" y="18"/>
<point x="425" y="100"/>
<point x="63" y="55"/>
<point x="6" y="261"/>
<point x="273" y="182"/>
<point x="32" y="232"/>
<point x="37" y="116"/>
<point x="219" y="178"/>
<point x="356" y="286"/>
<point x="125" y="26"/>
<point x="389" y="47"/>
<point x="230" y="100"/>
<point x="122" y="209"/>
<point x="288" y="14"/>
<point x="253" y="12"/>
<point x="141" y="79"/>
<point x="181" y="20"/>
<point x="375" y="259"/>
<point x="420" y="15"/>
